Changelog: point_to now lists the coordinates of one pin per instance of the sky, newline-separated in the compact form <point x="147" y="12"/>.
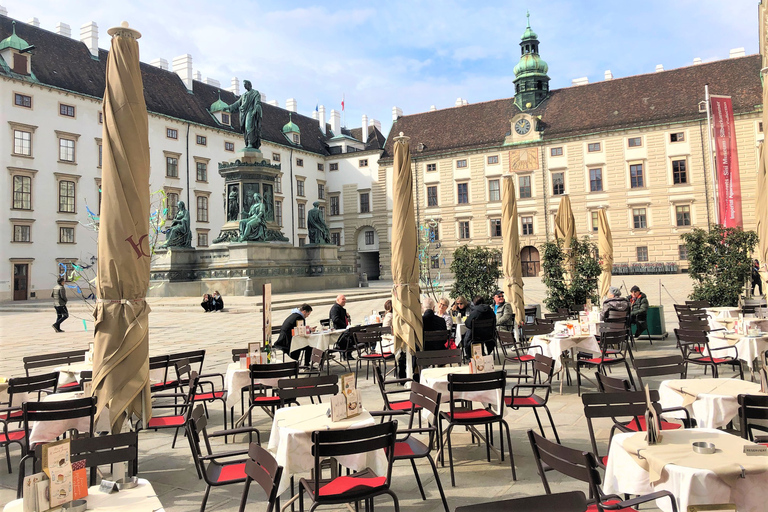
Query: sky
<point x="410" y="54"/>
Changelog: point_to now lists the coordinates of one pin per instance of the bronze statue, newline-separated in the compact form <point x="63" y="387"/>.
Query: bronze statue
<point x="232" y="206"/>
<point x="253" y="227"/>
<point x="318" y="231"/>
<point x="179" y="234"/>
<point x="249" y="106"/>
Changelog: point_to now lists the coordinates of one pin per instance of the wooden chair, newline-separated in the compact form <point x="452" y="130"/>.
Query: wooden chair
<point x="693" y="345"/>
<point x="656" y="366"/>
<point x="290" y="390"/>
<point x="434" y="358"/>
<point x="262" y="468"/>
<point x="753" y="413"/>
<point x="572" y="501"/>
<point x="536" y="394"/>
<point x="54" y="360"/>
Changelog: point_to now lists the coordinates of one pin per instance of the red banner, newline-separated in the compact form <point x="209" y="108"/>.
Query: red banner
<point x="727" y="162"/>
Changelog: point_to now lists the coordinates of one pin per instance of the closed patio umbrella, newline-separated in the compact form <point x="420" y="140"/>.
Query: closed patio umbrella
<point x="565" y="229"/>
<point x="121" y="344"/>
<point x="605" y="248"/>
<point x="510" y="254"/>
<point x="407" y="325"/>
<point x="761" y="210"/>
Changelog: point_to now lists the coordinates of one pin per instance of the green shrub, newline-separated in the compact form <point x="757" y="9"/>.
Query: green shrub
<point x="564" y="291"/>
<point x="477" y="271"/>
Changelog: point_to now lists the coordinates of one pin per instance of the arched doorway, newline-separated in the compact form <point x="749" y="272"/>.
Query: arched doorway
<point x="529" y="256"/>
<point x="368" y="252"/>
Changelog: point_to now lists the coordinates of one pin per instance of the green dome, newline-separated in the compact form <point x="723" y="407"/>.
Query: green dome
<point x="13" y="41"/>
<point x="290" y="126"/>
<point x="218" y="105"/>
<point x="529" y="34"/>
<point x="530" y="64"/>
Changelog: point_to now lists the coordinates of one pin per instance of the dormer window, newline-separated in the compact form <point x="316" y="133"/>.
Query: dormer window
<point x="291" y="130"/>
<point x="14" y="51"/>
<point x="295" y="138"/>
<point x="226" y="119"/>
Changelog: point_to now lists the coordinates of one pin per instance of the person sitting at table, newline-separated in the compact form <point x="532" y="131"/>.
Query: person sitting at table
<point x="387" y="320"/>
<point x="442" y="310"/>
<point x="639" y="311"/>
<point x="217" y="303"/>
<point x="460" y="307"/>
<point x="341" y="320"/>
<point x="432" y="322"/>
<point x="505" y="317"/>
<point x="613" y="302"/>
<point x="206" y="304"/>
<point x="286" y="334"/>
<point x="480" y="311"/>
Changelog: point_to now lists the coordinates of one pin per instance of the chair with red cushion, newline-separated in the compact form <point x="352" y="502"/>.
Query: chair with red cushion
<point x="536" y="394"/>
<point x="362" y="485"/>
<point x="159" y="365"/>
<point x="402" y="405"/>
<point x="582" y="466"/>
<point x="695" y="349"/>
<point x="614" y="345"/>
<point x="290" y="390"/>
<point x="367" y="344"/>
<point x="182" y="409"/>
<point x="466" y="416"/>
<point x="657" y="366"/>
<point x="517" y="351"/>
<point x="56" y="359"/>
<point x="263" y="395"/>
<point x="753" y="413"/>
<point x="205" y="391"/>
<point x="216" y="469"/>
<point x="262" y="468"/>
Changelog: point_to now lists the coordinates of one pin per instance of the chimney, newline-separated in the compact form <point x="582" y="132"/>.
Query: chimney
<point x="432" y="108"/>
<point x="659" y="67"/>
<point x="89" y="34"/>
<point x="3" y="11"/>
<point x="182" y="66"/>
<point x="465" y="102"/>
<point x="733" y="54"/>
<point x="580" y="81"/>
<point x="314" y="115"/>
<point x="375" y="123"/>
<point x="364" y="135"/>
<point x="321" y="118"/>
<point x="197" y="76"/>
<point x="608" y="74"/>
<point x="263" y="97"/>
<point x="234" y="88"/>
<point x="273" y="103"/>
<point x="291" y="105"/>
<point x="160" y="63"/>
<point x="63" y="29"/>
<point x="335" y="122"/>
<point x="459" y="102"/>
<point x="34" y="22"/>
<point x="696" y="61"/>
<point x="396" y="112"/>
<point x="211" y="81"/>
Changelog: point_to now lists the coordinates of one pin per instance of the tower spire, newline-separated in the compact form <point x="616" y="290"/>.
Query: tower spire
<point x="531" y="80"/>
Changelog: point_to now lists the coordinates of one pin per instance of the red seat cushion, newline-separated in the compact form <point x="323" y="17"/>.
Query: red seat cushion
<point x="472" y="415"/>
<point x="521" y="401"/>
<point x="665" y="425"/>
<point x="162" y="384"/>
<point x="604" y="459"/>
<point x="386" y="355"/>
<point x="593" y="507"/>
<point x="403" y="450"/>
<point x="14" y="414"/>
<point x="716" y="360"/>
<point x="526" y="357"/>
<point x="343" y="484"/>
<point x="209" y="396"/>
<point x="68" y="385"/>
<point x="166" y="421"/>
<point x="18" y="435"/>
<point x="266" y="399"/>
<point x="232" y="472"/>
<point x="403" y="405"/>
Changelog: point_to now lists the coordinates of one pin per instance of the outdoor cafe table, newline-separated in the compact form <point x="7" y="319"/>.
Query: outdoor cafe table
<point x="322" y="340"/>
<point x="694" y="479"/>
<point x="711" y="402"/>
<point x="237" y="378"/>
<point x="553" y="346"/>
<point x="748" y="347"/>
<point x="437" y="379"/>
<point x="291" y="440"/>
<point x="139" y="499"/>
<point x="47" y="431"/>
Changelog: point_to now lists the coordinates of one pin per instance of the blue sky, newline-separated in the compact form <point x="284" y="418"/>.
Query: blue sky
<point x="411" y="54"/>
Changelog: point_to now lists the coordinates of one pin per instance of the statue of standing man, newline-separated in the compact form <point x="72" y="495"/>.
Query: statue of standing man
<point x="249" y="107"/>
<point x="318" y="230"/>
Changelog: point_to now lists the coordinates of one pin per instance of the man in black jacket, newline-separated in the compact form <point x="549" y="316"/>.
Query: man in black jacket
<point x="480" y="311"/>
<point x="341" y="320"/>
<point x="432" y="322"/>
<point x="639" y="310"/>
<point x="286" y="336"/>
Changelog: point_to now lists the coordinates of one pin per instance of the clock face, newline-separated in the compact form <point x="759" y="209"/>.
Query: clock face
<point x="522" y="126"/>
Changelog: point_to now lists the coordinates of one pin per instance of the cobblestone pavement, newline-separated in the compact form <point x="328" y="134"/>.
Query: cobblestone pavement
<point x="178" y="324"/>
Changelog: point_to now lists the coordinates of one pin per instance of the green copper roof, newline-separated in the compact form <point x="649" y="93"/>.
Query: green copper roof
<point x="530" y="63"/>
<point x="529" y="34"/>
<point x="13" y="41"/>
<point x="290" y="126"/>
<point x="218" y="105"/>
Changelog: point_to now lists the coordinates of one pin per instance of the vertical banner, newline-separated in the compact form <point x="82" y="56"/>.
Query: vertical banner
<point x="266" y="301"/>
<point x="727" y="162"/>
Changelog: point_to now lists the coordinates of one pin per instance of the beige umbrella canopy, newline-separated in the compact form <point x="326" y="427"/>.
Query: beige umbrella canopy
<point x="565" y="228"/>
<point x="510" y="255"/>
<point x="121" y="344"/>
<point x="762" y="208"/>
<point x="605" y="248"/>
<point x="407" y="325"/>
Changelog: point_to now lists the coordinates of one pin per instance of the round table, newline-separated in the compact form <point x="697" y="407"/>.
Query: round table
<point x="711" y="402"/>
<point x="748" y="347"/>
<point x="437" y="379"/>
<point x="236" y="379"/>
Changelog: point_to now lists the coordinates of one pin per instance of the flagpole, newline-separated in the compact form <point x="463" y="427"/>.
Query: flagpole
<point x="711" y="153"/>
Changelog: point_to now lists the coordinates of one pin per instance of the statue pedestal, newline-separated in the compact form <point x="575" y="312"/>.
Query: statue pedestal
<point x="180" y="262"/>
<point x="320" y="255"/>
<point x="252" y="156"/>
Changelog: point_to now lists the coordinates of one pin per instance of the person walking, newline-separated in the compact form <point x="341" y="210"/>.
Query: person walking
<point x="59" y="295"/>
<point x="756" y="280"/>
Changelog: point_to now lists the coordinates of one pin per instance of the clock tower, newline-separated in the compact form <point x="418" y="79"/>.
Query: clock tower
<point x="531" y="80"/>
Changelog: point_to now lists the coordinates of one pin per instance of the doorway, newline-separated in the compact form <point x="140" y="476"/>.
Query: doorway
<point x="369" y="263"/>
<point x="20" y="281"/>
<point x="529" y="257"/>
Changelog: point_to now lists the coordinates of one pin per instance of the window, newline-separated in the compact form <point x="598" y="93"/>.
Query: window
<point x="525" y="187"/>
<point x="278" y="184"/>
<point x="322" y="211"/>
<point x="66" y="196"/>
<point x="101" y="117"/>
<point x="461" y="164"/>
<point x="321" y="191"/>
<point x="202" y="140"/>
<point x="22" y="143"/>
<point x="493" y="159"/>
<point x="334" y="205"/>
<point x="279" y="212"/>
<point x="336" y="238"/>
<point x="66" y="234"/>
<point x="634" y="142"/>
<point x="642" y="254"/>
<point x="495" y="228"/>
<point x="302" y="209"/>
<point x="202" y="209"/>
<point x="202" y="171"/>
<point x="683" y="214"/>
<point x="225" y="118"/>
<point x="300" y="187"/>
<point x="302" y="240"/>
<point x="171" y="133"/>
<point x="432" y="195"/>
<point x="434" y="262"/>
<point x="299" y="162"/>
<point x="596" y="180"/>
<point x="333" y="167"/>
<point x="172" y="204"/>
<point x="172" y="167"/>
<point x="66" y="110"/>
<point x="682" y="252"/>
<point x="434" y="233"/>
<point x="494" y="190"/>
<point x="228" y="146"/>
<point x="369" y="237"/>
<point x="595" y="221"/>
<point x="462" y="193"/>
<point x="594" y="147"/>
<point x="464" y="230"/>
<point x="677" y="137"/>
<point x="275" y="157"/>
<point x="639" y="219"/>
<point x="363" y="163"/>
<point x="296" y="138"/>
<point x="556" y="151"/>
<point x="636" y="176"/>
<point x="558" y="184"/>
<point x="202" y="239"/>
<point x="679" y="172"/>
<point x="527" y="224"/>
<point x="431" y="167"/>
<point x="66" y="150"/>
<point x="22" y="100"/>
<point x="321" y="167"/>
<point x="101" y="154"/>
<point x="22" y="193"/>
<point x="365" y="203"/>
<point x="21" y="233"/>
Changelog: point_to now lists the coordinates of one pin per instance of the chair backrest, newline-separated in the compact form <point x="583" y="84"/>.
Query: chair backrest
<point x="691" y="323"/>
<point x="159" y="363"/>
<point x="425" y="398"/>
<point x="262" y="468"/>
<point x="471" y="382"/>
<point x="697" y="304"/>
<point x="613" y="339"/>
<point x="317" y="359"/>
<point x="556" y="317"/>
<point x="612" y="384"/>
<point x="528" y="331"/>
<point x="58" y="410"/>
<point x="614" y="405"/>
<point x="386" y="330"/>
<point x="237" y="352"/>
<point x="571" y="501"/>
<point x="483" y="330"/>
<point x="752" y="408"/>
<point x="691" y="342"/>
<point x="617" y="317"/>
<point x="564" y="460"/>
<point x="432" y="358"/>
<point x="660" y="365"/>
<point x="289" y="390"/>
<point x="35" y="384"/>
<point x="749" y="309"/>
<point x="196" y="425"/>
<point x="326" y="323"/>
<point x="436" y="340"/>
<point x="286" y="370"/>
<point x="193" y="358"/>
<point x="55" y="359"/>
<point x="543" y="369"/>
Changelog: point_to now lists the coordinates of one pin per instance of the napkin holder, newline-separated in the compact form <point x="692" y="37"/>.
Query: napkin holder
<point x="652" y="415"/>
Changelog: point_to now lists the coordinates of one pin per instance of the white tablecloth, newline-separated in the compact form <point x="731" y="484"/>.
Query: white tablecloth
<point x="437" y="379"/>
<point x="691" y="486"/>
<point x="291" y="441"/>
<point x="749" y="348"/>
<point x="554" y="346"/>
<point x="71" y="373"/>
<point x="47" y="431"/>
<point x="723" y="312"/>
<point x="709" y="410"/>
<point x="138" y="499"/>
<point x="237" y="378"/>
<point x="321" y="340"/>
